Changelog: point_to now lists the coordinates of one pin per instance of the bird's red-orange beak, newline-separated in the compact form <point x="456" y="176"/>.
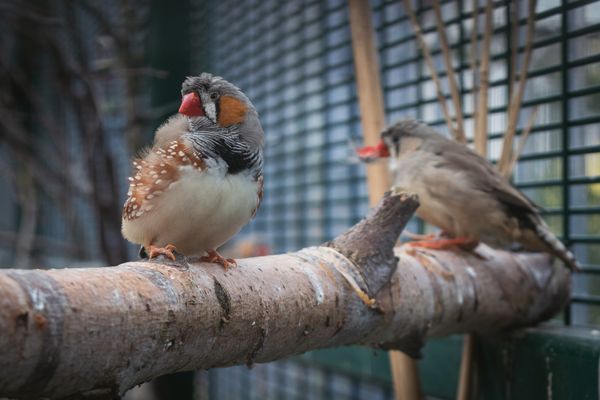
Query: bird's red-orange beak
<point x="191" y="105"/>
<point x="370" y="153"/>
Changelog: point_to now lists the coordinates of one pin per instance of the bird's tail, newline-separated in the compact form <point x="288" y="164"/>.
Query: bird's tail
<point x="555" y="246"/>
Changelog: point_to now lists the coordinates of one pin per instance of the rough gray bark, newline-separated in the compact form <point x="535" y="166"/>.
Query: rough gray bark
<point x="97" y="332"/>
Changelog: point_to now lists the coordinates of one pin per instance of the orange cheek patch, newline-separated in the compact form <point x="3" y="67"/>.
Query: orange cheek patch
<point x="231" y="111"/>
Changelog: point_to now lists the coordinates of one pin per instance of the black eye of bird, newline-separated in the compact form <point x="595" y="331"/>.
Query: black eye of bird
<point x="214" y="95"/>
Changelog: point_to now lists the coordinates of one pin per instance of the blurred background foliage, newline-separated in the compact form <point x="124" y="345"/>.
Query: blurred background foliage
<point x="83" y="85"/>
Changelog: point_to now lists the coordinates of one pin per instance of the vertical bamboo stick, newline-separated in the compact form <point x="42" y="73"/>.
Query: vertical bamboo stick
<point x="514" y="45"/>
<point x="473" y="60"/>
<point x="517" y="98"/>
<point x="465" y="380"/>
<point x="431" y="66"/>
<point x="370" y="95"/>
<point x="522" y="142"/>
<point x="480" y="101"/>
<point x="460" y="129"/>
<point x="480" y="136"/>
<point x="466" y="368"/>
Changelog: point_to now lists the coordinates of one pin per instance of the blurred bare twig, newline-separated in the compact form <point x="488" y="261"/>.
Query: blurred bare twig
<point x="52" y="118"/>
<point x="28" y="199"/>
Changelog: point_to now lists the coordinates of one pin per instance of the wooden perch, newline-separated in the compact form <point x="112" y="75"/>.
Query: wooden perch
<point x="97" y="332"/>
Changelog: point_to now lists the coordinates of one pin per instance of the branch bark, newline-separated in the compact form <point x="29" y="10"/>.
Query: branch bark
<point x="97" y="332"/>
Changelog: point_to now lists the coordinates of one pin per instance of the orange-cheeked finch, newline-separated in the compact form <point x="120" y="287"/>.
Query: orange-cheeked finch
<point x="201" y="181"/>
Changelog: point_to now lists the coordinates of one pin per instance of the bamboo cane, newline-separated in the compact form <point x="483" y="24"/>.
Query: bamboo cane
<point x="404" y="369"/>
<point x="517" y="98"/>
<point x="430" y="65"/>
<point x="522" y="142"/>
<point x="480" y="136"/>
<point x="514" y="45"/>
<point x="473" y="60"/>
<point x="455" y="93"/>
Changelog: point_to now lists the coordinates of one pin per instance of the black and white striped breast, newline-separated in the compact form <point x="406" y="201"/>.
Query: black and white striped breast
<point x="234" y="152"/>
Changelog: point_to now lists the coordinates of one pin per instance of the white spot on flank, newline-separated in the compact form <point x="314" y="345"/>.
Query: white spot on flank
<point x="158" y="181"/>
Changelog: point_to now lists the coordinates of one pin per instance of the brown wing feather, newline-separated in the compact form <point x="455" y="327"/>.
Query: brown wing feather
<point x="484" y="177"/>
<point x="481" y="174"/>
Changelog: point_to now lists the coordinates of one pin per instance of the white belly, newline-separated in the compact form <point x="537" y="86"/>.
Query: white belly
<point x="199" y="212"/>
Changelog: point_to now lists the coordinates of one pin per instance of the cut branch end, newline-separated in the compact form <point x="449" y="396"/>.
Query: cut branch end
<point x="370" y="243"/>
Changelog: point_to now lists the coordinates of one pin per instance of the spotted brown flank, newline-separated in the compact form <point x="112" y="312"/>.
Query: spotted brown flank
<point x="154" y="174"/>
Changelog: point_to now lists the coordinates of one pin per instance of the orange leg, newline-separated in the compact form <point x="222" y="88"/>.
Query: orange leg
<point x="463" y="242"/>
<point x="167" y="251"/>
<point x="213" y="257"/>
<point x="420" y="237"/>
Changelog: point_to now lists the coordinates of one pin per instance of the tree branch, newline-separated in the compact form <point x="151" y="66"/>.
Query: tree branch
<point x="154" y="318"/>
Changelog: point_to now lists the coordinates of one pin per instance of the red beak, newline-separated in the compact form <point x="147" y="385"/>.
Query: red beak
<point x="369" y="153"/>
<point x="191" y="105"/>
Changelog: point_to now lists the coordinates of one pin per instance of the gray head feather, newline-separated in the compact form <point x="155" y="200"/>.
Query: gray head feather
<point x="408" y="127"/>
<point x="206" y="85"/>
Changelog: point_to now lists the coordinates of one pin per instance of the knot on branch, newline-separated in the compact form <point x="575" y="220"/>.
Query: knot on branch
<point x="370" y="243"/>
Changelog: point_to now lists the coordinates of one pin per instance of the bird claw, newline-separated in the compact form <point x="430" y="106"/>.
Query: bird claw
<point x="167" y="251"/>
<point x="213" y="257"/>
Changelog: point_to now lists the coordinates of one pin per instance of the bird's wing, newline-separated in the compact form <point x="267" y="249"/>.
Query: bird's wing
<point x="482" y="176"/>
<point x="155" y="171"/>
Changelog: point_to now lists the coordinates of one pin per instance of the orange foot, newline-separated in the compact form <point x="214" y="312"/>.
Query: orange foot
<point x="167" y="251"/>
<point x="465" y="243"/>
<point x="213" y="257"/>
<point x="420" y="237"/>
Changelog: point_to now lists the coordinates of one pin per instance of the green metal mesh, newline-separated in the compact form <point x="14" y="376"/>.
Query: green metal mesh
<point x="294" y="60"/>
